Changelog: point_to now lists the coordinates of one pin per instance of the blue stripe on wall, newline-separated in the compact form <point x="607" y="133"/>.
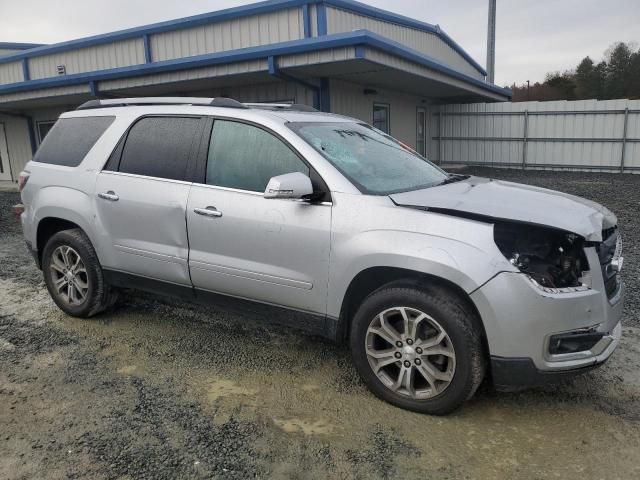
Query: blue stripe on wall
<point x="147" y="48"/>
<point x="25" y="70"/>
<point x="321" y="13"/>
<point x="306" y="20"/>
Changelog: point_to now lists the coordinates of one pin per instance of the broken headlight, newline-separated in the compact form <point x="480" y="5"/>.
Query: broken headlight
<point x="552" y="259"/>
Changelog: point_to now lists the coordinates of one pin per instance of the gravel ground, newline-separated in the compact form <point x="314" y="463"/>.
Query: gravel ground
<point x="161" y="389"/>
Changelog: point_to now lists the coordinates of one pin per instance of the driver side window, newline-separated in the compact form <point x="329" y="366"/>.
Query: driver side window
<point x="245" y="157"/>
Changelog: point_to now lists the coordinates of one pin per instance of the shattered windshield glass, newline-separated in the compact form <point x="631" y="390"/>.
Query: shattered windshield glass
<point x="373" y="161"/>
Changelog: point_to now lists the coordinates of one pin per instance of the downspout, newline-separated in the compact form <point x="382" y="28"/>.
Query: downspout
<point x="275" y="71"/>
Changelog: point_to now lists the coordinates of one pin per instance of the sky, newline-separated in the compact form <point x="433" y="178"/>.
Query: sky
<point x="533" y="36"/>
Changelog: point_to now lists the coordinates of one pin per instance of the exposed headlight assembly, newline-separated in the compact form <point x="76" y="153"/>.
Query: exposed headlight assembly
<point x="552" y="259"/>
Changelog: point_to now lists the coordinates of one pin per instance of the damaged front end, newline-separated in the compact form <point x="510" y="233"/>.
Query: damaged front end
<point x="555" y="260"/>
<point x="552" y="259"/>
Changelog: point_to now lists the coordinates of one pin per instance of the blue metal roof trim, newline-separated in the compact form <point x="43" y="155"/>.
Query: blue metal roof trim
<point x="355" y="38"/>
<point x="19" y="46"/>
<point x="235" y="12"/>
<point x="405" y="21"/>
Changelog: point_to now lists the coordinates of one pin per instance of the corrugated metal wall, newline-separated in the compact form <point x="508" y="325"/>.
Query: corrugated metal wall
<point x="44" y="93"/>
<point x="10" y="72"/>
<point x="265" y="92"/>
<point x="580" y="135"/>
<point x="322" y="56"/>
<point x="229" y="35"/>
<point x="185" y="75"/>
<point x="339" y="20"/>
<point x="110" y="55"/>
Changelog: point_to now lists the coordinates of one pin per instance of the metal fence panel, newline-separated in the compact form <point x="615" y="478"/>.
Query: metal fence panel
<point x="579" y="135"/>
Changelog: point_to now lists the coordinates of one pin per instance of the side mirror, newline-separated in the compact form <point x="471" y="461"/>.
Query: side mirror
<point x="294" y="185"/>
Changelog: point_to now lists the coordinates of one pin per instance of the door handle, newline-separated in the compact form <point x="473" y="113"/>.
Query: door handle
<point x="208" y="212"/>
<point x="110" y="195"/>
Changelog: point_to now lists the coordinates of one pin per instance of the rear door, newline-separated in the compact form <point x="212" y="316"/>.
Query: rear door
<point x="242" y="244"/>
<point x="141" y="198"/>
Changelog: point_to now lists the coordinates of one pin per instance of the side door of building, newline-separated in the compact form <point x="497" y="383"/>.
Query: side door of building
<point x="5" y="168"/>
<point x="275" y="251"/>
<point x="141" y="198"/>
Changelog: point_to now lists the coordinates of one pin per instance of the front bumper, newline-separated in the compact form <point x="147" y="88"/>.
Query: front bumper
<point x="520" y="319"/>
<point x="517" y="373"/>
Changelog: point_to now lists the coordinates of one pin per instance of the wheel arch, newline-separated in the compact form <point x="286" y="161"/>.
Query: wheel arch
<point x="55" y="222"/>
<point x="371" y="279"/>
<point x="47" y="228"/>
<point x="58" y="208"/>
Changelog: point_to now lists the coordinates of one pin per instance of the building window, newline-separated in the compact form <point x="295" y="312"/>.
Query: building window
<point x="421" y="131"/>
<point x="381" y="117"/>
<point x="43" y="129"/>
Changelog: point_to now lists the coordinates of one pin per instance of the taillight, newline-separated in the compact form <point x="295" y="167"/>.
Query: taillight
<point x="22" y="180"/>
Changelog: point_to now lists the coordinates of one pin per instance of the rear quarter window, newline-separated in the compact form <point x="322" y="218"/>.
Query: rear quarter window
<point x="70" y="139"/>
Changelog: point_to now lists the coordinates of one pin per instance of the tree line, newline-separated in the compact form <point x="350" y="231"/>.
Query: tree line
<point x="616" y="76"/>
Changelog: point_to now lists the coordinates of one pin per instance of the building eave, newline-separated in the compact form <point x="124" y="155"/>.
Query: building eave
<point x="351" y="39"/>
<point x="19" y="46"/>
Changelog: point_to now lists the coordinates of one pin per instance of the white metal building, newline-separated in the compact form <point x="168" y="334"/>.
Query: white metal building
<point x="337" y="55"/>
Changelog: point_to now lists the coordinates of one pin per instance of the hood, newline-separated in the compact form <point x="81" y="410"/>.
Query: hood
<point x="513" y="201"/>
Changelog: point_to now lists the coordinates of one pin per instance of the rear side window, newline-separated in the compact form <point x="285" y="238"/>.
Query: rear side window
<point x="160" y="147"/>
<point x="246" y="157"/>
<point x="70" y="139"/>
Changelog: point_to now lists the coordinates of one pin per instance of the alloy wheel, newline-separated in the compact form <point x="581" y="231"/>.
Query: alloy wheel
<point x="410" y="353"/>
<point x="69" y="275"/>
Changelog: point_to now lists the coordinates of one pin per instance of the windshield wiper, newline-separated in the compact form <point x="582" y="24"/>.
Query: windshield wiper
<point x="452" y="178"/>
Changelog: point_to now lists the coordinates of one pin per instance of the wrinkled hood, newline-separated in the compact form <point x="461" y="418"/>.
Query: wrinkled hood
<point x="513" y="201"/>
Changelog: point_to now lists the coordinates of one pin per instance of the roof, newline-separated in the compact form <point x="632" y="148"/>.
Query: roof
<point x="202" y="106"/>
<point x="237" y="12"/>
<point x="288" y="112"/>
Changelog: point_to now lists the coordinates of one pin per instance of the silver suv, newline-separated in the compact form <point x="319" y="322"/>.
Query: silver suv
<point x="436" y="281"/>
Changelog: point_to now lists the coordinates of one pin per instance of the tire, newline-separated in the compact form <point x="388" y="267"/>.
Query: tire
<point x="90" y="294"/>
<point x="443" y="324"/>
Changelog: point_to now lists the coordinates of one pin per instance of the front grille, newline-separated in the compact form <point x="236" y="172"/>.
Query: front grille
<point x="609" y="250"/>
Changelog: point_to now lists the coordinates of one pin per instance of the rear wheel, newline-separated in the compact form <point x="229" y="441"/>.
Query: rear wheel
<point x="73" y="274"/>
<point x="418" y="348"/>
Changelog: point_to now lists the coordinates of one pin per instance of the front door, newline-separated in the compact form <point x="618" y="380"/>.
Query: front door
<point x="241" y="244"/>
<point x="5" y="169"/>
<point x="141" y="199"/>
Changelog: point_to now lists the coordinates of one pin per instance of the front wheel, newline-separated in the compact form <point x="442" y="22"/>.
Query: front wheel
<point x="418" y="348"/>
<point x="73" y="274"/>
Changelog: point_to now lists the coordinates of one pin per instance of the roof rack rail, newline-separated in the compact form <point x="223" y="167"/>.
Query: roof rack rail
<point x="123" y="102"/>
<point x="292" y="107"/>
